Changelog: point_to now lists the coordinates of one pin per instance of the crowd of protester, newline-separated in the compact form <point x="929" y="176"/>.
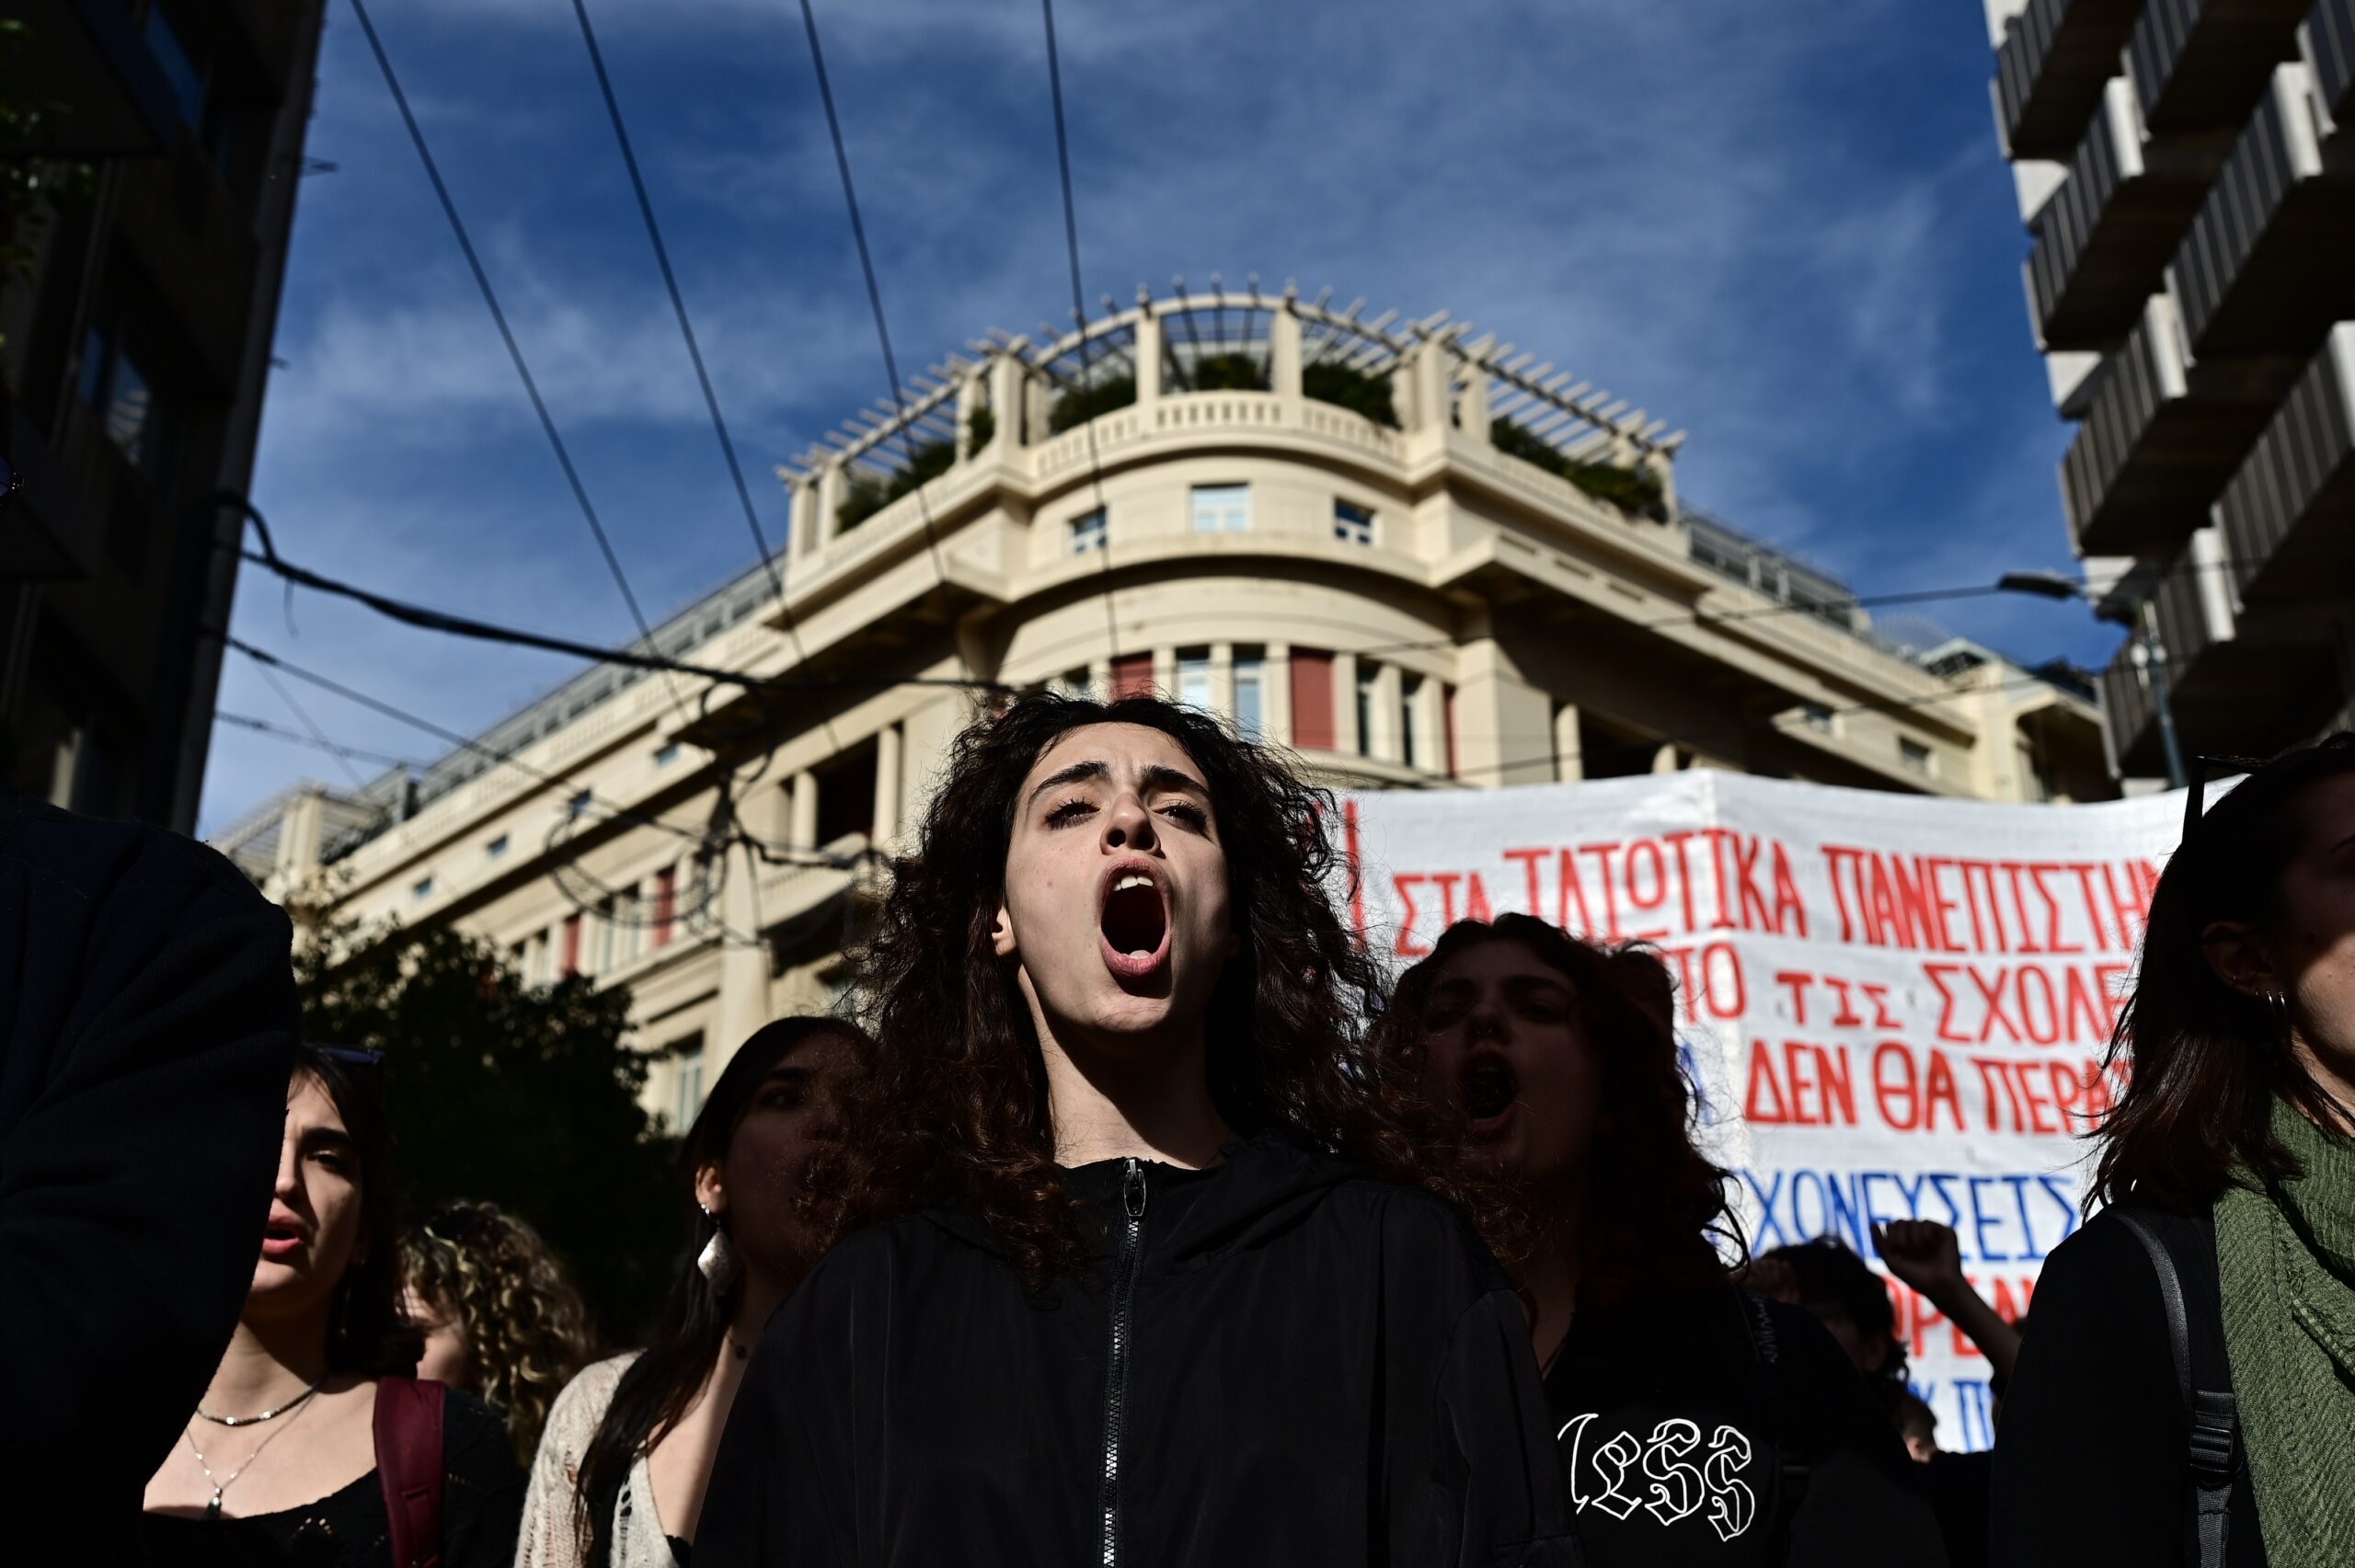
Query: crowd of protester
<point x="1138" y="1220"/>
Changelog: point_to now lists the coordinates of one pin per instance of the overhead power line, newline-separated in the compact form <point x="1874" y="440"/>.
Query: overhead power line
<point x="318" y="736"/>
<point x="454" y="624"/>
<point x="874" y="298"/>
<point x="678" y="302"/>
<point x="1079" y="321"/>
<point x="301" y="738"/>
<point x="506" y="335"/>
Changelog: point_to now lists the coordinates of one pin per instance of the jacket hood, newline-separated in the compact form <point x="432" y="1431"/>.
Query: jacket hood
<point x="1263" y="1185"/>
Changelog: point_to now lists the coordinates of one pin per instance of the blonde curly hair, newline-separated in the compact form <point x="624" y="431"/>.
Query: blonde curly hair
<point x="527" y="1329"/>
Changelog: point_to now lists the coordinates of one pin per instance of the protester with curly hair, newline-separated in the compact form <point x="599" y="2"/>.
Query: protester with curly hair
<point x="1152" y="1269"/>
<point x="498" y="1308"/>
<point x="1698" y="1424"/>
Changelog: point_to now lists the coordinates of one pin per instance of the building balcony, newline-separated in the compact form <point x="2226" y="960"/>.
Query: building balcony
<point x="2201" y="65"/>
<point x="2049" y="73"/>
<point x="2240" y="685"/>
<point x="2266" y="268"/>
<point x="2288" y="517"/>
<point x="2103" y="240"/>
<point x="2161" y="436"/>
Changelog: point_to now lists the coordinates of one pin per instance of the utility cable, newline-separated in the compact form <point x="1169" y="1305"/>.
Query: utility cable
<point x="280" y="731"/>
<point x="507" y="336"/>
<point x="318" y="736"/>
<point x="1079" y="321"/>
<point x="454" y="624"/>
<point x="678" y="302"/>
<point x="875" y="303"/>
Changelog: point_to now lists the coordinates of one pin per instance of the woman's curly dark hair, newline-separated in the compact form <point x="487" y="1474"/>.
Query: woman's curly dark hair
<point x="526" y="1328"/>
<point x="1656" y="1212"/>
<point x="952" y="1108"/>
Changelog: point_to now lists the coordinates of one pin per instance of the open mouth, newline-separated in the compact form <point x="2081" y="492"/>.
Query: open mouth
<point x="1490" y="1088"/>
<point x="281" y="1237"/>
<point x="1134" y="922"/>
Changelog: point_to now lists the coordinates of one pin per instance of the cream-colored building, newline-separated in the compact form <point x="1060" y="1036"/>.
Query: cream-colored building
<point x="1417" y="558"/>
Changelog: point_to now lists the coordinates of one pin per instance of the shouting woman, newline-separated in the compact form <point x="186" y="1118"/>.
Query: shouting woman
<point x="1146" y="1276"/>
<point x="1698" y="1424"/>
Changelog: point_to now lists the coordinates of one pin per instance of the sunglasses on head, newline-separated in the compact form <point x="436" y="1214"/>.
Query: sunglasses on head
<point x="2203" y="769"/>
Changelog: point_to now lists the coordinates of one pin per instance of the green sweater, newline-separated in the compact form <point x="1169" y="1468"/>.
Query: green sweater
<point x="2286" y="1256"/>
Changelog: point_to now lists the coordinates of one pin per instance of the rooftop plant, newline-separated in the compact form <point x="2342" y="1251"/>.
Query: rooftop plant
<point x="1226" y="373"/>
<point x="1081" y="404"/>
<point x="1352" y="389"/>
<point x="1638" y="494"/>
<point x="868" y="493"/>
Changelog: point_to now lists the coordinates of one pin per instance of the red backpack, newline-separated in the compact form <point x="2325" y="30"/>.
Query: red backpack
<point x="409" y="1466"/>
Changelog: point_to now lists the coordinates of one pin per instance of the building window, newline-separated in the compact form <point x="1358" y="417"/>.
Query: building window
<point x="1367" y="674"/>
<point x="571" y="945"/>
<point x="1353" y="524"/>
<point x="666" y="903"/>
<point x="496" y="849"/>
<point x="578" y="806"/>
<point x="1221" y="509"/>
<point x="1311" y="700"/>
<point x="423" y="890"/>
<point x="1914" y="756"/>
<point x="1131" y="675"/>
<point x="181" y="73"/>
<point x="1410" y="702"/>
<point x="1250" y="693"/>
<point x="1815" y="716"/>
<point x="1089" y="531"/>
<point x="1078" y="683"/>
<point x="846" y="786"/>
<point x="123" y="395"/>
<point x="667" y="755"/>
<point x="1194" y="678"/>
<point x="686" y="1080"/>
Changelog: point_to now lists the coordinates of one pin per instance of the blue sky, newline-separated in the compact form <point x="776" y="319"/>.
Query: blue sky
<point x="1786" y="229"/>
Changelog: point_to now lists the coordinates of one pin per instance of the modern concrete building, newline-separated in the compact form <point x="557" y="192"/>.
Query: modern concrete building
<point x="2187" y="170"/>
<point x="137" y="348"/>
<point x="1419" y="558"/>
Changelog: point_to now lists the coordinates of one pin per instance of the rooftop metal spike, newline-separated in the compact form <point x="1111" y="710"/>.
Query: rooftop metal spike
<point x="1291" y="292"/>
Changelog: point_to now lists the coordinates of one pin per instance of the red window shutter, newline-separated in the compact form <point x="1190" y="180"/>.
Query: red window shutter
<point x="1131" y="675"/>
<point x="666" y="898"/>
<point x="1311" y="700"/>
<point x="573" y="944"/>
<point x="1449" y="693"/>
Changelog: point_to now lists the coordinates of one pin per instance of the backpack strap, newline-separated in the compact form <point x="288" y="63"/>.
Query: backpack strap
<point x="408" y="1467"/>
<point x="2202" y="1373"/>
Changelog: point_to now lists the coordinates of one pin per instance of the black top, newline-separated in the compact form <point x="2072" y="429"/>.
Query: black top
<point x="1287" y="1362"/>
<point x="1721" y="1430"/>
<point x="482" y="1513"/>
<point x="148" y="1027"/>
<point x="2092" y="1455"/>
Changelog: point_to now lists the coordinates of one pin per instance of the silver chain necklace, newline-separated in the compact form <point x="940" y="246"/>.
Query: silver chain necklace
<point x="221" y="1484"/>
<point x="272" y="1414"/>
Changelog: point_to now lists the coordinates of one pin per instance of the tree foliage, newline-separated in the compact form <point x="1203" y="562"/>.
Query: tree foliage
<point x="525" y="1096"/>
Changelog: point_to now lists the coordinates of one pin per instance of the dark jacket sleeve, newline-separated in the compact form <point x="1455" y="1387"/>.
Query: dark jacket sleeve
<point x="1868" y="1502"/>
<point x="2089" y="1454"/>
<point x="776" y="1495"/>
<point x="482" y="1488"/>
<point x="151" y="1024"/>
<point x="1490" y="1490"/>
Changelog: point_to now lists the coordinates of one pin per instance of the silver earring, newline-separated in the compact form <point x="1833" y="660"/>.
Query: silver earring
<point x="717" y="1259"/>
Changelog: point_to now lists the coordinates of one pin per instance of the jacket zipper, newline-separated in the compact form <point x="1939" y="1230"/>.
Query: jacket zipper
<point x="1115" y="1380"/>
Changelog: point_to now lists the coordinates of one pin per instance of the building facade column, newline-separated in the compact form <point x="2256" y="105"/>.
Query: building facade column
<point x="1147" y="359"/>
<point x="887" y="787"/>
<point x="1504" y="726"/>
<point x="744" y="964"/>
<point x="1275" y="693"/>
<point x="1283" y="359"/>
<point x="1346" y="738"/>
<point x="802" y="834"/>
<point x="1569" y="763"/>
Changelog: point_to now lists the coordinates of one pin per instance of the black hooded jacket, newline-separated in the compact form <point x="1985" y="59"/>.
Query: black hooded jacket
<point x="1280" y="1360"/>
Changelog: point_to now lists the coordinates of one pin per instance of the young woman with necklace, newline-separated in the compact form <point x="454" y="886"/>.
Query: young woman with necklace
<point x="619" y="1479"/>
<point x="1152" y="1272"/>
<point x="279" y="1460"/>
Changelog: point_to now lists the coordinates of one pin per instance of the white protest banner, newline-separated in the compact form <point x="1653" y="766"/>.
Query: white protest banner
<point x="1894" y="1006"/>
